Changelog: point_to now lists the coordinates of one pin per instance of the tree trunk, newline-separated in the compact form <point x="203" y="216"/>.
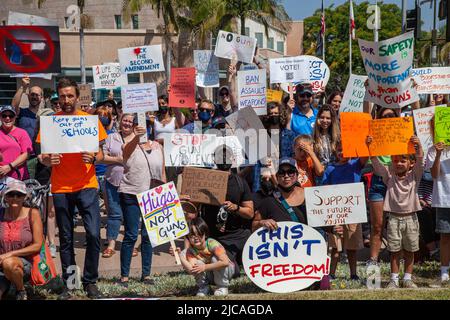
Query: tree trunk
<point x="167" y="40"/>
<point x="82" y="65"/>
<point x="242" y="25"/>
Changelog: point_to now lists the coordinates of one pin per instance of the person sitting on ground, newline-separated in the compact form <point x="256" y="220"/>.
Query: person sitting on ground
<point x="308" y="164"/>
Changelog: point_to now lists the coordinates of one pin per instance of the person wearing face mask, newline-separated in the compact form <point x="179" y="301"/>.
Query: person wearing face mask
<point x="225" y="107"/>
<point x="304" y="115"/>
<point x="165" y="121"/>
<point x="230" y="223"/>
<point x="205" y="114"/>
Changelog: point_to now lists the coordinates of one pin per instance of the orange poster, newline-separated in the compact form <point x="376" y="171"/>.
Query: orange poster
<point x="391" y="136"/>
<point x="182" y="88"/>
<point x="354" y="131"/>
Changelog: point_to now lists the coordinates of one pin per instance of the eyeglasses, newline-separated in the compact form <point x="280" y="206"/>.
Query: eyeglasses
<point x="8" y="115"/>
<point x="389" y="115"/>
<point x="290" y="173"/>
<point x="15" y="194"/>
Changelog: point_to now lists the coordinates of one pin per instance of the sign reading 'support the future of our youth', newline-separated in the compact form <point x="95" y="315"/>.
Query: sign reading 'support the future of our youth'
<point x="252" y="90"/>
<point x="235" y="47"/>
<point x="207" y="66"/>
<point x="108" y="76"/>
<point x="139" y="97"/>
<point x="388" y="66"/>
<point x="288" y="259"/>
<point x="162" y="213"/>
<point x="141" y="59"/>
<point x="354" y="94"/>
<point x="336" y="205"/>
<point x="69" y="134"/>
<point x="432" y="80"/>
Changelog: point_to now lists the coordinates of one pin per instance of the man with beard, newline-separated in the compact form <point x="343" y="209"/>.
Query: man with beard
<point x="73" y="184"/>
<point x="26" y="118"/>
<point x="304" y="115"/>
<point x="205" y="114"/>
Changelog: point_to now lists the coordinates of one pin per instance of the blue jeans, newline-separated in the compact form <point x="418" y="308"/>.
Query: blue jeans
<point x="132" y="218"/>
<point x="87" y="203"/>
<point x="114" y="213"/>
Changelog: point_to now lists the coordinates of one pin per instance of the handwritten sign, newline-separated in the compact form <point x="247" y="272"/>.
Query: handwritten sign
<point x="354" y="131"/>
<point x="432" y="80"/>
<point x="336" y="205"/>
<point x="235" y="47"/>
<point x="391" y="136"/>
<point x="354" y="94"/>
<point x="205" y="185"/>
<point x="85" y="94"/>
<point x="188" y="150"/>
<point x="274" y="95"/>
<point x="69" y="134"/>
<point x="140" y="97"/>
<point x="207" y="66"/>
<point x="252" y="90"/>
<point x="422" y="123"/>
<point x="288" y="259"/>
<point x="141" y="59"/>
<point x="108" y="76"/>
<point x="182" y="88"/>
<point x="442" y="125"/>
<point x="292" y="69"/>
<point x="388" y="65"/>
<point x="163" y="215"/>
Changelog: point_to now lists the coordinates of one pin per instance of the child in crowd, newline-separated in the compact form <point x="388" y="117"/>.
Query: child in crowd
<point x="326" y="135"/>
<point x="207" y="260"/>
<point x="401" y="204"/>
<point x="345" y="170"/>
<point x="438" y="160"/>
<point x="308" y="165"/>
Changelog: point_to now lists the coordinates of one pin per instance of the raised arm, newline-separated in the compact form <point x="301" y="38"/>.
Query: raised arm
<point x="18" y="96"/>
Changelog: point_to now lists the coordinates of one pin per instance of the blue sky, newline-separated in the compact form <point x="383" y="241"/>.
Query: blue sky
<point x="300" y="9"/>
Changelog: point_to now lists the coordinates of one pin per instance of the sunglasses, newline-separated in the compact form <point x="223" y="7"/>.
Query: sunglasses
<point x="8" y="115"/>
<point x="193" y="110"/>
<point x="305" y="95"/>
<point x="205" y="110"/>
<point x="15" y="194"/>
<point x="290" y="173"/>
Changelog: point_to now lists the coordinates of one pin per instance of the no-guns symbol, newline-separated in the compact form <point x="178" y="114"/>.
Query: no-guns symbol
<point x="18" y="49"/>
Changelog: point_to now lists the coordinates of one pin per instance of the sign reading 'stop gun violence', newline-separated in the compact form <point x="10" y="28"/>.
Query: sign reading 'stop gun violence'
<point x="141" y="59"/>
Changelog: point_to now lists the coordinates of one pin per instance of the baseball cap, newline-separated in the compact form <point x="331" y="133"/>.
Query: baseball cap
<point x="288" y="161"/>
<point x="54" y="97"/>
<point x="303" y="88"/>
<point x="7" y="108"/>
<point x="15" y="185"/>
<point x="218" y="121"/>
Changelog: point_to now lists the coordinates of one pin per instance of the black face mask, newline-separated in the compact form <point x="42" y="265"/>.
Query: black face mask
<point x="275" y="120"/>
<point x="163" y="110"/>
<point x="224" y="167"/>
<point x="267" y="187"/>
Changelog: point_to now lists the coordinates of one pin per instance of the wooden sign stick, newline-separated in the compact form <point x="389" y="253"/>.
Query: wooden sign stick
<point x="142" y="119"/>
<point x="174" y="248"/>
<point x="291" y="91"/>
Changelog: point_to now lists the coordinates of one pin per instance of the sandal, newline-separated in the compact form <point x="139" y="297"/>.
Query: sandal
<point x="135" y="252"/>
<point x="108" y="253"/>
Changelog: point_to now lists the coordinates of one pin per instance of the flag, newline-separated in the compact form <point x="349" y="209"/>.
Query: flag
<point x="322" y="23"/>
<point x="319" y="49"/>
<point x="352" y="21"/>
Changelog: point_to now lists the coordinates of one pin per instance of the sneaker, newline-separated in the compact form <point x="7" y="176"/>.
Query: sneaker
<point x="409" y="284"/>
<point x="371" y="262"/>
<point x="52" y="248"/>
<point x="21" y="295"/>
<point x="66" y="294"/>
<point x="222" y="291"/>
<point x="203" y="291"/>
<point x="354" y="277"/>
<point x="92" y="291"/>
<point x="392" y="285"/>
<point x="147" y="281"/>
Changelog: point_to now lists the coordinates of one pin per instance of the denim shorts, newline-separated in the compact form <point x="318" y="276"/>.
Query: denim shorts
<point x="4" y="283"/>
<point x="443" y="220"/>
<point x="377" y="190"/>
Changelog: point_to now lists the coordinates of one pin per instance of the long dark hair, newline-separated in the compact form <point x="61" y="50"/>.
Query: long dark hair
<point x="333" y="130"/>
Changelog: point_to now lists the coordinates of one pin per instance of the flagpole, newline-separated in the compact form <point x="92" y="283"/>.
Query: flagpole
<point x="350" y="35"/>
<point x="350" y="53"/>
<point x="323" y="34"/>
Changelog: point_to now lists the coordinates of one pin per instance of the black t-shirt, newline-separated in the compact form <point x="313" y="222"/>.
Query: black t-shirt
<point x="271" y="208"/>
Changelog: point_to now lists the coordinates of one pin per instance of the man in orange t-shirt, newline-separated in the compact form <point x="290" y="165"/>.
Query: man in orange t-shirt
<point x="74" y="183"/>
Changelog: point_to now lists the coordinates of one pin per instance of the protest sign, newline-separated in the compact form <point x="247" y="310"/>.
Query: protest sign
<point x="182" y="88"/>
<point x="140" y="97"/>
<point x="291" y="69"/>
<point x="274" y="96"/>
<point x="189" y="150"/>
<point x="288" y="259"/>
<point x="432" y="80"/>
<point x="442" y="125"/>
<point x="141" y="59"/>
<point x="108" y="76"/>
<point x="205" y="185"/>
<point x="235" y="47"/>
<point x="336" y="205"/>
<point x="252" y="90"/>
<point x="69" y="134"/>
<point x="388" y="65"/>
<point x="30" y="49"/>
<point x="391" y="136"/>
<point x="207" y="66"/>
<point x="18" y="18"/>
<point x="85" y="98"/>
<point x="46" y="76"/>
<point x="354" y="94"/>
<point x="163" y="215"/>
<point x="422" y="123"/>
<point x="354" y="131"/>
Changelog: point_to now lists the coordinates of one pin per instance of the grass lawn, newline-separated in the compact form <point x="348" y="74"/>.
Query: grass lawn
<point x="182" y="286"/>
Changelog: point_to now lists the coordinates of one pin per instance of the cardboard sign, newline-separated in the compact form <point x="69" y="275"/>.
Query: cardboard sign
<point x="140" y="97"/>
<point x="388" y="66"/>
<point x="235" y="47"/>
<point x="141" y="59"/>
<point x="30" y="49"/>
<point x="188" y="150"/>
<point x="205" y="185"/>
<point x="336" y="205"/>
<point x="182" y="88"/>
<point x="432" y="80"/>
<point x="17" y="18"/>
<point x="163" y="215"/>
<point x="274" y="96"/>
<point x="108" y="76"/>
<point x="422" y="123"/>
<point x="391" y="136"/>
<point x="288" y="259"/>
<point x="354" y="131"/>
<point x="85" y="98"/>
<point x="442" y="125"/>
<point x="69" y="134"/>
<point x="207" y="66"/>
<point x="293" y="69"/>
<point x="252" y="90"/>
<point x="354" y="94"/>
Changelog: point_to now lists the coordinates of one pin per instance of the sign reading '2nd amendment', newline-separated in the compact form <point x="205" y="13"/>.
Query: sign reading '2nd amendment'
<point x="141" y="59"/>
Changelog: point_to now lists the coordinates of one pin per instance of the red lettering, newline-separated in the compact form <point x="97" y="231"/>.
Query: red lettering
<point x="286" y="270"/>
<point x="253" y="270"/>
<point x="266" y="270"/>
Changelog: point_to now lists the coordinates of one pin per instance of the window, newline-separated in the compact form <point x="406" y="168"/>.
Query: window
<point x="247" y="31"/>
<point x="260" y="39"/>
<point x="4" y="22"/>
<point x="280" y="46"/>
<point x="66" y="21"/>
<point x="118" y="20"/>
<point x="270" y="43"/>
<point x="135" y="21"/>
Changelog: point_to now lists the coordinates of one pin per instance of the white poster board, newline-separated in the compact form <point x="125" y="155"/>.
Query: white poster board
<point x="189" y="150"/>
<point x="292" y="69"/>
<point x="108" y="76"/>
<point x="336" y="204"/>
<point x="141" y="59"/>
<point x="18" y="18"/>
<point x="289" y="259"/>
<point x="252" y="90"/>
<point x="140" y="97"/>
<point x="432" y="80"/>
<point x="235" y="47"/>
<point x="207" y="66"/>
<point x="69" y="134"/>
<point x="354" y="94"/>
<point x="422" y="123"/>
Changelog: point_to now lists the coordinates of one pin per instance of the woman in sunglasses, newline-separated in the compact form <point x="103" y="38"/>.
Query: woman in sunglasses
<point x="15" y="146"/>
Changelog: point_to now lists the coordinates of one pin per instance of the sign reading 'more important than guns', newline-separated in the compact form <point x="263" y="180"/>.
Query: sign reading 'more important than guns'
<point x="141" y="59"/>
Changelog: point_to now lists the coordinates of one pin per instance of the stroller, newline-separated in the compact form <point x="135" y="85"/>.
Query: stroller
<point x="39" y="199"/>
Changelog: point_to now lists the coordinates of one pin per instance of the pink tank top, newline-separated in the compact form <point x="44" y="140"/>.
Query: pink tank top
<point x="14" y="235"/>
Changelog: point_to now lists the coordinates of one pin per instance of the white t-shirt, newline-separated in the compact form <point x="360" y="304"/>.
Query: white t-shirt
<point x="441" y="185"/>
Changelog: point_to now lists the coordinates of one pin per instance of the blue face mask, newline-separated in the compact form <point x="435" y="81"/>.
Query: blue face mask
<point x="204" y="116"/>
